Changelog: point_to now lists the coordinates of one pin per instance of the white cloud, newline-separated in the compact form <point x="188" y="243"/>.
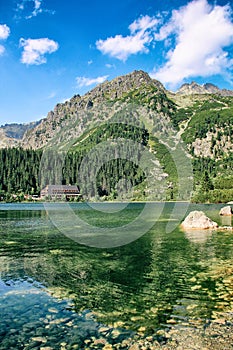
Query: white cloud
<point x="35" y="49"/>
<point x="201" y="33"/>
<point x="108" y="65"/>
<point x="25" y="7"/>
<point x="37" y="9"/>
<point x="2" y="50"/>
<point x="195" y="38"/>
<point x="142" y="24"/>
<point x="4" y="33"/>
<point x="83" y="81"/>
<point x="51" y="95"/>
<point x="140" y="37"/>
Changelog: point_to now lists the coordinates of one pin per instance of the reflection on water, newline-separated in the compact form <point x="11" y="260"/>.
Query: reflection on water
<point x="198" y="236"/>
<point x="157" y="280"/>
<point x="226" y="220"/>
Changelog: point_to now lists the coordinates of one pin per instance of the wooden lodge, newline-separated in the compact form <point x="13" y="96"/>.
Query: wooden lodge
<point x="60" y="192"/>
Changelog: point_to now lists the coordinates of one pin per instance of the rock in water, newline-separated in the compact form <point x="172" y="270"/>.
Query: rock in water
<point x="198" y="220"/>
<point x="226" y="211"/>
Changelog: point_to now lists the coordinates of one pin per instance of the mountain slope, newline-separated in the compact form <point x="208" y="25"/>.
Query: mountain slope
<point x="206" y="123"/>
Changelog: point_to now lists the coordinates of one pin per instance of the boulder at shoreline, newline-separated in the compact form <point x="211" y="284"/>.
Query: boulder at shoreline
<point x="198" y="220"/>
<point x="226" y="211"/>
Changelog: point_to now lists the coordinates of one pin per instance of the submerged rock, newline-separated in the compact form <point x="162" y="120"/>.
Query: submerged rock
<point x="198" y="220"/>
<point x="227" y="211"/>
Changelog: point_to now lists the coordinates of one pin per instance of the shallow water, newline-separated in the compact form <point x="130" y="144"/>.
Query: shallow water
<point x="54" y="290"/>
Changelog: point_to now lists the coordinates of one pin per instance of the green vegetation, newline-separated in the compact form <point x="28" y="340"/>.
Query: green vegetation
<point x="213" y="180"/>
<point x="214" y="115"/>
<point x="181" y="115"/>
<point x="213" y="121"/>
<point x="19" y="172"/>
<point x="109" y="131"/>
<point x="197" y="117"/>
<point x="165" y="158"/>
<point x="20" y="169"/>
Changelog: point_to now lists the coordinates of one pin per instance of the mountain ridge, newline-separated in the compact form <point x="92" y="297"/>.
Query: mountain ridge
<point x="79" y="108"/>
<point x="134" y="86"/>
<point x="207" y="88"/>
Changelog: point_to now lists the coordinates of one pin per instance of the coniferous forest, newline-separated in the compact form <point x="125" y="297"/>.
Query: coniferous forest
<point x="20" y="170"/>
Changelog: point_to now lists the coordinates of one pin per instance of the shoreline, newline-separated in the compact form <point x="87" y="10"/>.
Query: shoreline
<point x="113" y="202"/>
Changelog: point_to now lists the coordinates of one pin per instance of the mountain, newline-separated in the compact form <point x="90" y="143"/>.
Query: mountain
<point x="6" y="141"/>
<point x="201" y="114"/>
<point x="11" y="134"/>
<point x="192" y="126"/>
<point x="194" y="88"/>
<point x="70" y="119"/>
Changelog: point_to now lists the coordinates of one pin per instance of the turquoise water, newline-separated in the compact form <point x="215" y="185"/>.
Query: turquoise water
<point x="54" y="290"/>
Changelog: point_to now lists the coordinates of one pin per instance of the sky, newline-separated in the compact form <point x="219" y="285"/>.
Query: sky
<point x="51" y="50"/>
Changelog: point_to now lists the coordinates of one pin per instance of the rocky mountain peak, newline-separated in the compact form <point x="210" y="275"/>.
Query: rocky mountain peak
<point x="81" y="111"/>
<point x="110" y="90"/>
<point x="211" y="87"/>
<point x="194" y="88"/>
<point x="123" y="84"/>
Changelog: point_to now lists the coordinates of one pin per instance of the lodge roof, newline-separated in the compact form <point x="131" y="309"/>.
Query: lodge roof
<point x="61" y="187"/>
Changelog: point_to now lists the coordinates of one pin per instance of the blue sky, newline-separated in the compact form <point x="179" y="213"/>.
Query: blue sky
<point x="51" y="50"/>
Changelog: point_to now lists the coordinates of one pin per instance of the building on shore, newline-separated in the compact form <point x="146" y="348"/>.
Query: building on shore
<point x="60" y="192"/>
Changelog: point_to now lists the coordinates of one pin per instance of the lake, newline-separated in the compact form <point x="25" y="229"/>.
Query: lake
<point x="62" y="291"/>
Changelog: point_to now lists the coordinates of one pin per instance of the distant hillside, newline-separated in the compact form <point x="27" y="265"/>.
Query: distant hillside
<point x="11" y="134"/>
<point x="6" y="141"/>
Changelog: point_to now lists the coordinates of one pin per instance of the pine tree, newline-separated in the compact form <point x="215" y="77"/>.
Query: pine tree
<point x="206" y="183"/>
